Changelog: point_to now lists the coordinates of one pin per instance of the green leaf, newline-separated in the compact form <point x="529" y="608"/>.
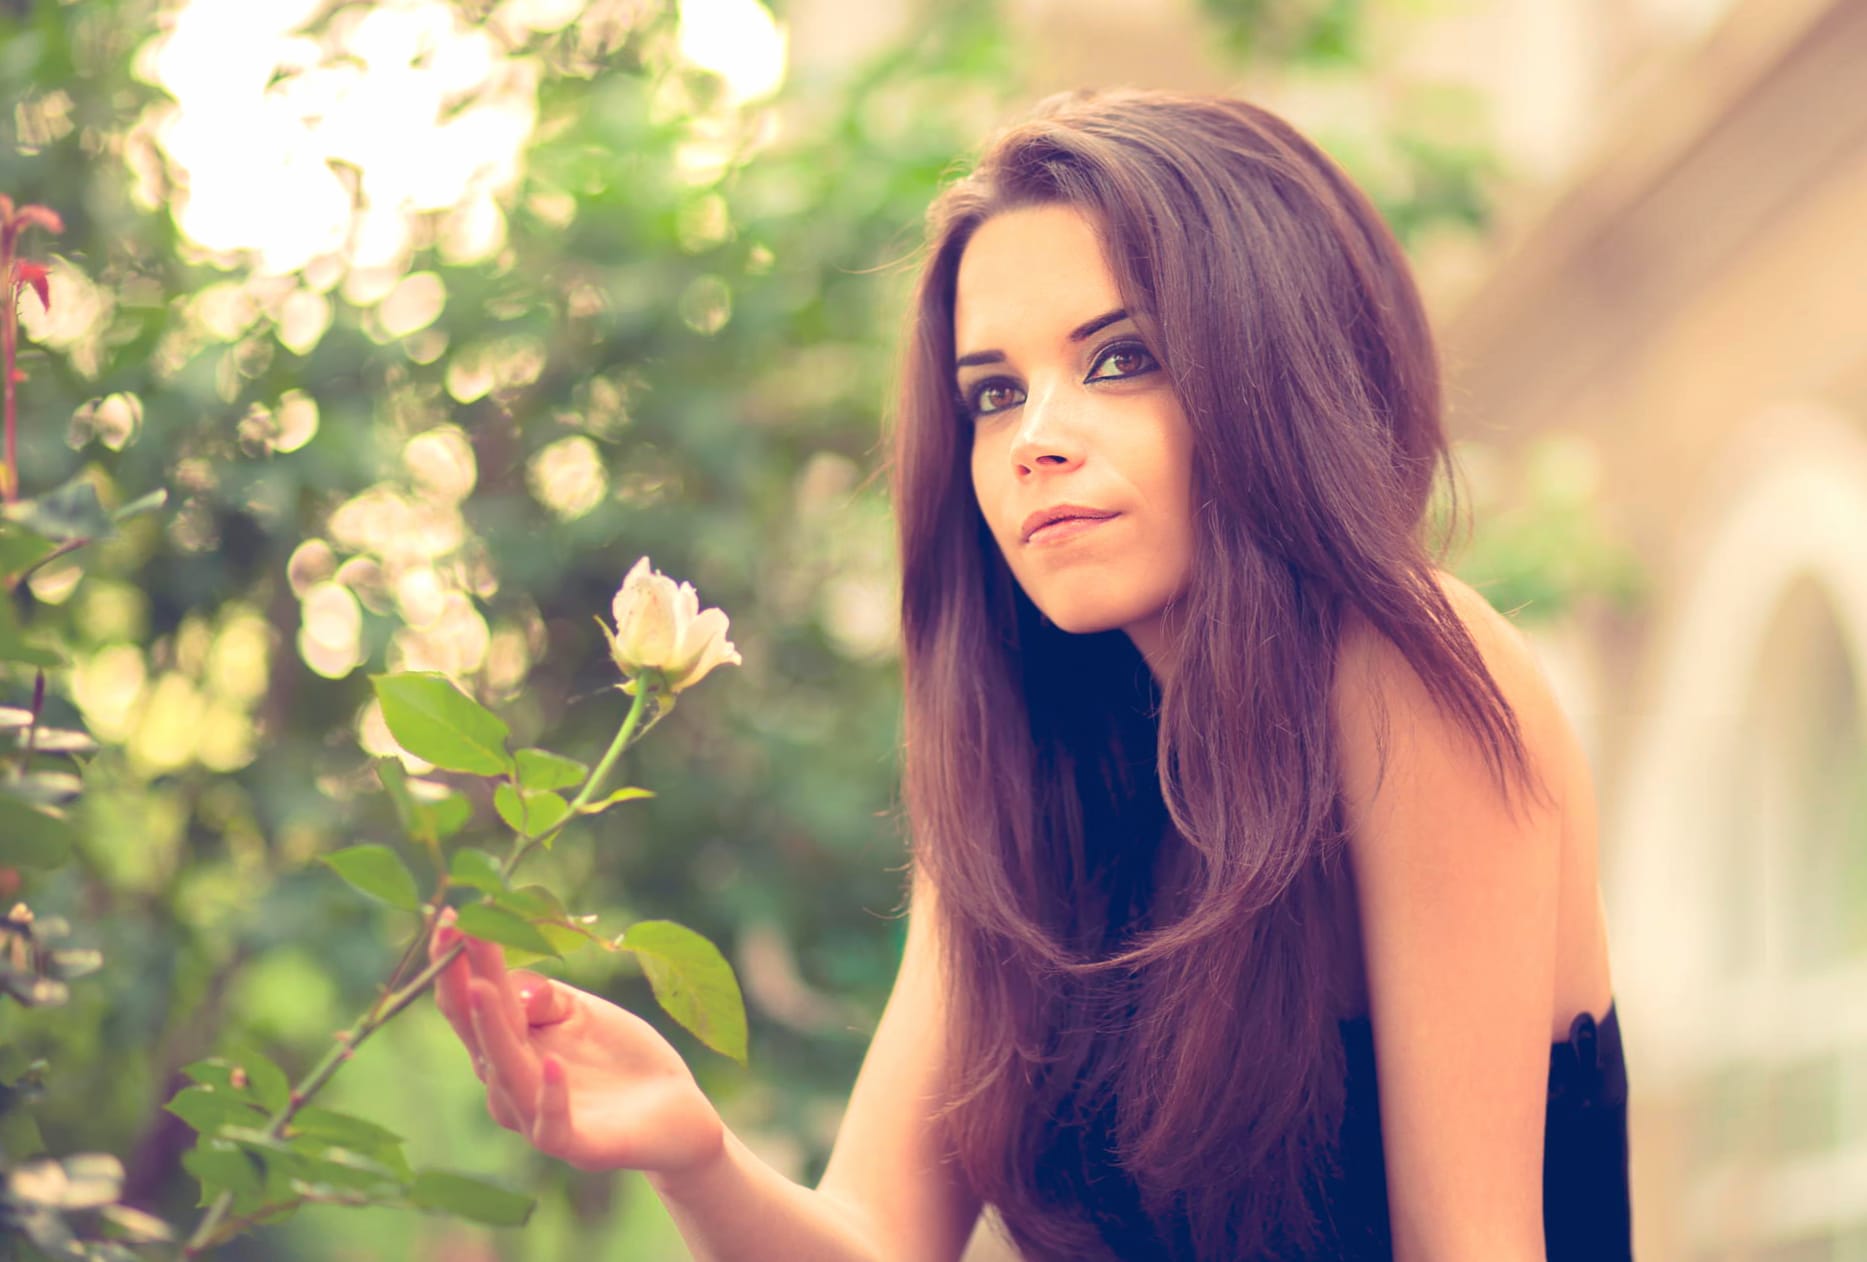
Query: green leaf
<point x="693" y="982"/>
<point x="546" y="913"/>
<point x="15" y="649"/>
<point x="379" y="872"/>
<point x="140" y="505"/>
<point x="31" y="837"/>
<point x="545" y="811"/>
<point x="208" y="1109"/>
<point x="20" y="548"/>
<point x="477" y="869"/>
<point x="73" y="511"/>
<point x="542" y="769"/>
<point x="268" y="1083"/>
<point x="14" y="646"/>
<point x="223" y="1166"/>
<point x="531" y="814"/>
<point x="256" y="1139"/>
<point x="496" y="924"/>
<point x="511" y="808"/>
<point x="216" y="1071"/>
<point x="533" y="902"/>
<point x="315" y="1161"/>
<point x="19" y="1135"/>
<point x="429" y="811"/>
<point x="479" y="1200"/>
<point x="437" y="722"/>
<point x="564" y="941"/>
<point x="347" y="1131"/>
<point x="620" y="795"/>
<point x="394" y="778"/>
<point x="450" y="812"/>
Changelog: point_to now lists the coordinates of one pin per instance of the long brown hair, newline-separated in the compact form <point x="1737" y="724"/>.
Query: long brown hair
<point x="1140" y="886"/>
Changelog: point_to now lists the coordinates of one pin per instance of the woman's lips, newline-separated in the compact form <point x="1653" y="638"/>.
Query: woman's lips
<point x="1066" y="528"/>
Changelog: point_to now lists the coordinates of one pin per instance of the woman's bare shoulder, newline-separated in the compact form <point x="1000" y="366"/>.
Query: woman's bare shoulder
<point x="1370" y="665"/>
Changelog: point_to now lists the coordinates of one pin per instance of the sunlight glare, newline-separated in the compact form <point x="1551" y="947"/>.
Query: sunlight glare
<point x="738" y="40"/>
<point x="289" y="148"/>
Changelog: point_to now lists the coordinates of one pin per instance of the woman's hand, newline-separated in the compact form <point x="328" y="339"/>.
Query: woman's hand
<point x="584" y="1080"/>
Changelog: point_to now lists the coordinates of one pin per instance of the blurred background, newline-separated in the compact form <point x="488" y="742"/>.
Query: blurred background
<point x="433" y="315"/>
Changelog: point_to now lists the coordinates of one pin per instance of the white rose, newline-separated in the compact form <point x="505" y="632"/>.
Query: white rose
<point x="660" y="627"/>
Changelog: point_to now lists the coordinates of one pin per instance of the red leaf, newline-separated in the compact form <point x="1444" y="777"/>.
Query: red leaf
<point x="34" y="274"/>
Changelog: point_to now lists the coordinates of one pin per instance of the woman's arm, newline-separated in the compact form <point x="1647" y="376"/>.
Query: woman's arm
<point x="1458" y="904"/>
<point x="888" y="1194"/>
<point x="890" y="1165"/>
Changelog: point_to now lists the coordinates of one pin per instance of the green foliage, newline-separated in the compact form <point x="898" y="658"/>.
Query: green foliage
<point x="508" y="928"/>
<point x="379" y="872"/>
<point x="31" y="836"/>
<point x="540" y="769"/>
<point x="693" y="982"/>
<point x="481" y="1200"/>
<point x="432" y="719"/>
<point x="1545" y="548"/>
<point x="1328" y="32"/>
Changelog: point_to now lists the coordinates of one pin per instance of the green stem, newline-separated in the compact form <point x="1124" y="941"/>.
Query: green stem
<point x="9" y="351"/>
<point x="386" y="1007"/>
<point x="625" y="735"/>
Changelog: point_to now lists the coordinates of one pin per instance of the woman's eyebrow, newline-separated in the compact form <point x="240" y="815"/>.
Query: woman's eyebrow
<point x="1087" y="329"/>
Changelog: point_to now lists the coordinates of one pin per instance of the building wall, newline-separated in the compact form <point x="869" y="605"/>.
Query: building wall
<point x="1690" y="302"/>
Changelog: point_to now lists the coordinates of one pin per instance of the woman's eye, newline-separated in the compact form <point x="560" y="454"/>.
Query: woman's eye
<point x="992" y="396"/>
<point x="1129" y="359"/>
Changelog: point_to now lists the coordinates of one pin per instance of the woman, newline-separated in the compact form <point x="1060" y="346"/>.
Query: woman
<point x="1255" y="910"/>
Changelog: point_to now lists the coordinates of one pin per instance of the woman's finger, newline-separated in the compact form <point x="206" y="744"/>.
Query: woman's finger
<point x="542" y="1001"/>
<point x="551" y="1124"/>
<point x="489" y="962"/>
<point x="510" y="1062"/>
<point x="499" y="1108"/>
<point x="450" y="988"/>
<point x="486" y="959"/>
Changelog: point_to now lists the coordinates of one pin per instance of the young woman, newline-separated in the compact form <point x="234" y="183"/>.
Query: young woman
<point x="1255" y="910"/>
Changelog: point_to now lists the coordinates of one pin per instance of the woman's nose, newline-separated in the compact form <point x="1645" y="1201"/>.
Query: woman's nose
<point x="1045" y="439"/>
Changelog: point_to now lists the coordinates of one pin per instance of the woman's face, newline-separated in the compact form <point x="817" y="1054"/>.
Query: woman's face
<point x="1071" y="412"/>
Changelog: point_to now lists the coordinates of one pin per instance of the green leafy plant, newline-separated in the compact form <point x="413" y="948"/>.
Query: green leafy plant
<point x="67" y="1206"/>
<point x="263" y="1149"/>
<point x="262" y="1152"/>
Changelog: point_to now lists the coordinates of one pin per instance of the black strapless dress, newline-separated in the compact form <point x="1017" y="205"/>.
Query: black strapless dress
<point x="1586" y="1212"/>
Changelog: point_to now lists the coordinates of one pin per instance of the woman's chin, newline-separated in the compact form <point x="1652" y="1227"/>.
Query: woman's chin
<point x="1081" y="620"/>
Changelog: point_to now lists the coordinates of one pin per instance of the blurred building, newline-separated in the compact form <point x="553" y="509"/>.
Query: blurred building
<point x="1690" y="299"/>
<point x="1680" y="289"/>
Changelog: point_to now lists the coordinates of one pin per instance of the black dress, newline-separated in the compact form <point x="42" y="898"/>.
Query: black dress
<point x="1586" y="1214"/>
